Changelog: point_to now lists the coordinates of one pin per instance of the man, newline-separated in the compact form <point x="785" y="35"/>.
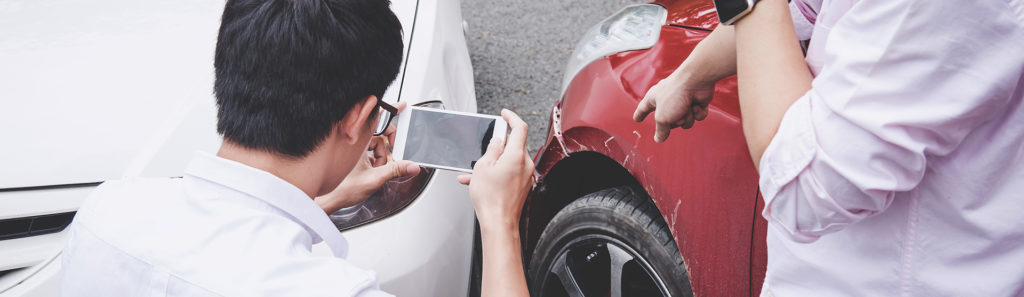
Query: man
<point x="891" y="155"/>
<point x="298" y="86"/>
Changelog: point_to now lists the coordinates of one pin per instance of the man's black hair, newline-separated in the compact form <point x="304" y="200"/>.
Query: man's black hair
<point x="287" y="71"/>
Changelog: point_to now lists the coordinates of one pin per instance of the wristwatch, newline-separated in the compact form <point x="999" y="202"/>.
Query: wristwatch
<point x="731" y="11"/>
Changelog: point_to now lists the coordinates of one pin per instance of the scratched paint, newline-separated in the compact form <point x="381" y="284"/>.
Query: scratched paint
<point x="701" y="179"/>
<point x="607" y="141"/>
<point x="556" y="127"/>
<point x="675" y="215"/>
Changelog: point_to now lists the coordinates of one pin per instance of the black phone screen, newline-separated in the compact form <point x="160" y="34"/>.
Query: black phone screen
<point x="445" y="139"/>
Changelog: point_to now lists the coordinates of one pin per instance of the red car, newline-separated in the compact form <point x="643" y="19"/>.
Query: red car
<point x="616" y="214"/>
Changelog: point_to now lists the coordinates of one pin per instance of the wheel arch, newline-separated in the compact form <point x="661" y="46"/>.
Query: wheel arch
<point x="577" y="174"/>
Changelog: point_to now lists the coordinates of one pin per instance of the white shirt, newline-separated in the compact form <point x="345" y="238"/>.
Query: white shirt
<point x="901" y="172"/>
<point x="224" y="229"/>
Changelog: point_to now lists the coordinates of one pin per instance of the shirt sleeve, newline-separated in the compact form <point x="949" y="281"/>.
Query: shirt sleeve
<point x="902" y="82"/>
<point x="313" y="276"/>
<point x="804" y="13"/>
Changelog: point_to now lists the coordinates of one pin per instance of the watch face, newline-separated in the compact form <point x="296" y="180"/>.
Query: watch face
<point x="729" y="11"/>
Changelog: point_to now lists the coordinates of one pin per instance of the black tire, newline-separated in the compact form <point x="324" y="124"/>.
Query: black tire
<point x="578" y="250"/>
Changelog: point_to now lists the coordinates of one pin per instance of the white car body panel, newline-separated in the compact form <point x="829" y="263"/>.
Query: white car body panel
<point x="94" y="91"/>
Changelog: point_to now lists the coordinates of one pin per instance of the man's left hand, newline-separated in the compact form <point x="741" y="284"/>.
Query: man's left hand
<point x="370" y="173"/>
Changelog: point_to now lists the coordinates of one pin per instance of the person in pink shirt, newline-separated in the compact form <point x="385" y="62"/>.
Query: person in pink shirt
<point x="891" y="155"/>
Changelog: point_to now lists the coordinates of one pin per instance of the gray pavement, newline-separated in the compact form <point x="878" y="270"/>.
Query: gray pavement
<point x="519" y="50"/>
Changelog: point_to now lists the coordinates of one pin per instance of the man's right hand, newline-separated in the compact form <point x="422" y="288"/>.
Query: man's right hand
<point x="502" y="177"/>
<point x="682" y="98"/>
<point x="677" y="101"/>
<point x="499" y="184"/>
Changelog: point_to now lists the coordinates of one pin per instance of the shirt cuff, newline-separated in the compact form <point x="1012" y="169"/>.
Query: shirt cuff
<point x="802" y="19"/>
<point x="789" y="153"/>
<point x="791" y="150"/>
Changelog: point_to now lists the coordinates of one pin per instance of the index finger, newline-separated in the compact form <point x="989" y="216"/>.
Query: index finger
<point x="517" y="139"/>
<point x="644" y="108"/>
<point x="389" y="134"/>
<point x="380" y="150"/>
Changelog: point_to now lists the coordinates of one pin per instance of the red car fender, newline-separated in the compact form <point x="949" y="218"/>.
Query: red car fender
<point x="702" y="180"/>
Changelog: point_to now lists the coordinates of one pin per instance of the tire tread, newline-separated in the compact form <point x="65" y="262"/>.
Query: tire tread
<point x="627" y="202"/>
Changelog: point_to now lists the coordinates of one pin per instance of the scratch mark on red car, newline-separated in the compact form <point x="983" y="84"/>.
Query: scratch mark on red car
<point x="675" y="214"/>
<point x="556" y="124"/>
<point x="580" y="145"/>
<point x="561" y="142"/>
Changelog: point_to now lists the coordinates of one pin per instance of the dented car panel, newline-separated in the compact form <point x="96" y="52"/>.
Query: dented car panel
<point x="702" y="179"/>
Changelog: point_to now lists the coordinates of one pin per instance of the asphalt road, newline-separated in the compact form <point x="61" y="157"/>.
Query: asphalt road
<point x="519" y="50"/>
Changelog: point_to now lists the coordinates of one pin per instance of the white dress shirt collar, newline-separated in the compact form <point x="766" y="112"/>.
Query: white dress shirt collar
<point x="274" y="191"/>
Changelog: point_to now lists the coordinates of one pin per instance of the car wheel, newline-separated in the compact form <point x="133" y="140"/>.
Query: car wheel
<point x="612" y="242"/>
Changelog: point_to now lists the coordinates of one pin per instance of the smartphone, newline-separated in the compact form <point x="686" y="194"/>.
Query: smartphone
<point x="730" y="11"/>
<point x="443" y="139"/>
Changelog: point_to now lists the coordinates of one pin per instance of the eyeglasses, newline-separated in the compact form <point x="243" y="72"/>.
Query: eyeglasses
<point x="387" y="113"/>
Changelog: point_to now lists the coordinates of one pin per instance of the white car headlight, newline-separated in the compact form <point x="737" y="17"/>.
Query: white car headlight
<point x="632" y="28"/>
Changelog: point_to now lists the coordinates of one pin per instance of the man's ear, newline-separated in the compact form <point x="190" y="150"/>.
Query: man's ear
<point x="353" y="126"/>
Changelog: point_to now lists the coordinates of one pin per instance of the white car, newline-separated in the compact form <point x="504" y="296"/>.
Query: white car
<point x="92" y="91"/>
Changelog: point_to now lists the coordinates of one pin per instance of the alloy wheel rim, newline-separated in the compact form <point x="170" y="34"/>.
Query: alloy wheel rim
<point x="600" y="265"/>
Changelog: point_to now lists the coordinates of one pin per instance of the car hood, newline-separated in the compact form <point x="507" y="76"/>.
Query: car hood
<point x="691" y="13"/>
<point x="93" y="91"/>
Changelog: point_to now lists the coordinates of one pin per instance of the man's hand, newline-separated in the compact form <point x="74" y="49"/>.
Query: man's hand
<point x="502" y="177"/>
<point x="682" y="98"/>
<point x="499" y="184"/>
<point x="677" y="101"/>
<point x="369" y="174"/>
